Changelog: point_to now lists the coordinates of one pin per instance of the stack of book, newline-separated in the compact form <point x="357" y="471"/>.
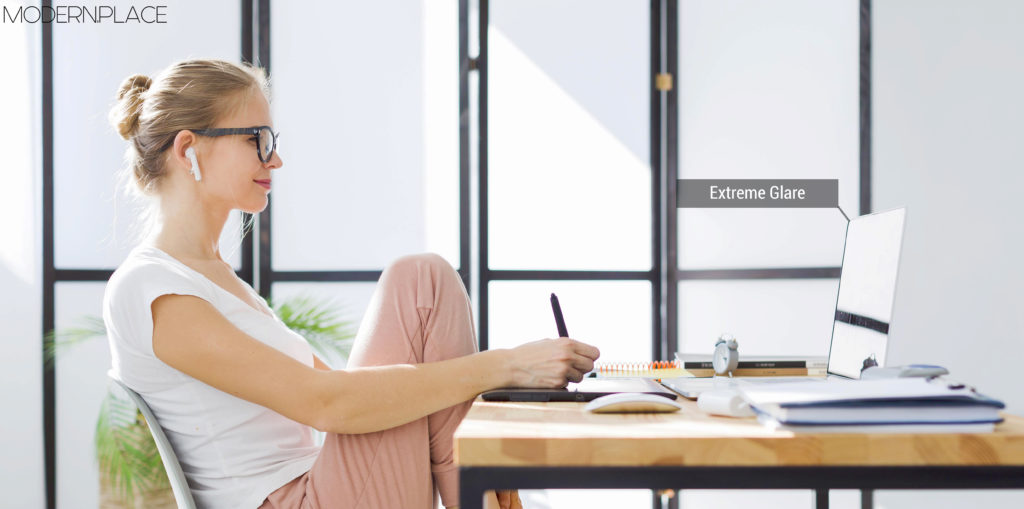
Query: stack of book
<point x="696" y="365"/>
<point x="700" y="365"/>
<point x="898" y="405"/>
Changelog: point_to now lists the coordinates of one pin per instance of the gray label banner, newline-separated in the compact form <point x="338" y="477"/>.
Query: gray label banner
<point x="757" y="193"/>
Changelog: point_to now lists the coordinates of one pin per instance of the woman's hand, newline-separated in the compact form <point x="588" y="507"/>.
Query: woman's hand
<point x="551" y="363"/>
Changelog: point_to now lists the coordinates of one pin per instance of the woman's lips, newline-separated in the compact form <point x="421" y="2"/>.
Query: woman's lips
<point x="264" y="183"/>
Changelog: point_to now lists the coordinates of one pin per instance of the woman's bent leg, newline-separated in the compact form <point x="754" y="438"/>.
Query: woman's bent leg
<point x="420" y="312"/>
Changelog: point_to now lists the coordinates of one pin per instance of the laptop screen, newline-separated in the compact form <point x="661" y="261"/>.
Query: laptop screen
<point x="867" y="289"/>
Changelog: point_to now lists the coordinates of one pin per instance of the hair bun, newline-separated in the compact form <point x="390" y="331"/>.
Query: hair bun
<point x="138" y="81"/>
<point x="125" y="116"/>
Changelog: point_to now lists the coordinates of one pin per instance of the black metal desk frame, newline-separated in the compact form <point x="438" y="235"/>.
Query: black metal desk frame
<point x="475" y="480"/>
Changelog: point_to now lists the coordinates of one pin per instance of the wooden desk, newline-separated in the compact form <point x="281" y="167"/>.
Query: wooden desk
<point x="558" y="445"/>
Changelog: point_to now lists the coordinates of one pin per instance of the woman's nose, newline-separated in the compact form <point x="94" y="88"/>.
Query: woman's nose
<point x="275" y="161"/>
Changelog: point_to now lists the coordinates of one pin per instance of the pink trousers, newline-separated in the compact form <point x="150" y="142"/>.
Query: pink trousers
<point x="420" y="312"/>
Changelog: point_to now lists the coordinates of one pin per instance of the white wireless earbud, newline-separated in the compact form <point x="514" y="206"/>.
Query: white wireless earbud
<point x="190" y="153"/>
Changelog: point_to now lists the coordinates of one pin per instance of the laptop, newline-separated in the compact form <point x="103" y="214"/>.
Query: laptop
<point x="864" y="304"/>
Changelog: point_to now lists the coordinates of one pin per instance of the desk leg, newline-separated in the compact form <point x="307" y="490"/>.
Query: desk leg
<point x="471" y="490"/>
<point x="821" y="498"/>
<point x="867" y="499"/>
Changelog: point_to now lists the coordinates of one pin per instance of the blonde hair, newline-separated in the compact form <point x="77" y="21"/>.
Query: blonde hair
<point x="190" y="94"/>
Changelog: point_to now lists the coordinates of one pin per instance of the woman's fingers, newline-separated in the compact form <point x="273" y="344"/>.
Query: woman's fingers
<point x="583" y="364"/>
<point x="588" y="351"/>
<point x="574" y="375"/>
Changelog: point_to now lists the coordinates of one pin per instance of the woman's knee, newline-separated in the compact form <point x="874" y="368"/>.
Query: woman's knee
<point x="412" y="262"/>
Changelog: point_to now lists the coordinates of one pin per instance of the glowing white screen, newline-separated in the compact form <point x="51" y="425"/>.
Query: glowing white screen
<point x="867" y="289"/>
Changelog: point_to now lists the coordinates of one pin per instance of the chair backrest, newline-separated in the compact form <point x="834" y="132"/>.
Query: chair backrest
<point x="182" y="493"/>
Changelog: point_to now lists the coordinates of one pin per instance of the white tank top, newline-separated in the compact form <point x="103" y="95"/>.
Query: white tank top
<point x="234" y="453"/>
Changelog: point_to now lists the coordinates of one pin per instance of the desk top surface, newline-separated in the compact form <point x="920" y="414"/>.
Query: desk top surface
<point x="563" y="434"/>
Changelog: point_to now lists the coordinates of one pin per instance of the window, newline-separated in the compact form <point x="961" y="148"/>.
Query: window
<point x="523" y="140"/>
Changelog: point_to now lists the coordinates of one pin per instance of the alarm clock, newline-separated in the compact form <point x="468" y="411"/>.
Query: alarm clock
<point x="726" y="356"/>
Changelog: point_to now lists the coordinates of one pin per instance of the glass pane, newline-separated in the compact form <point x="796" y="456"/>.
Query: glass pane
<point x="768" y="90"/>
<point x="568" y="135"/>
<point x="20" y="268"/>
<point x="614" y="316"/>
<point x="81" y="385"/>
<point x="349" y="299"/>
<point x="92" y="218"/>
<point x="20" y="92"/>
<point x="591" y="499"/>
<point x="767" y="317"/>
<point x="948" y="499"/>
<point x="370" y="169"/>
<point x="744" y="499"/>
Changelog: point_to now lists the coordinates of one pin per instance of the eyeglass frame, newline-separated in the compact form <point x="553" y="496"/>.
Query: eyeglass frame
<point x="254" y="131"/>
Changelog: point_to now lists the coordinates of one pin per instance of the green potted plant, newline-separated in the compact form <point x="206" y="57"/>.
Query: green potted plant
<point x="131" y="474"/>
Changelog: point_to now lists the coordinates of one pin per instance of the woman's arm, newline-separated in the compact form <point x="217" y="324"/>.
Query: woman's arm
<point x="190" y="335"/>
<point x="319" y="364"/>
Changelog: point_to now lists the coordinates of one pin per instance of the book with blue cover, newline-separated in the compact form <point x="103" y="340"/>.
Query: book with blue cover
<point x="929" y="402"/>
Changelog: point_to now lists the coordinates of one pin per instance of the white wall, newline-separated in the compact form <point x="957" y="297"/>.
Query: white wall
<point x="948" y="144"/>
<point x="21" y="403"/>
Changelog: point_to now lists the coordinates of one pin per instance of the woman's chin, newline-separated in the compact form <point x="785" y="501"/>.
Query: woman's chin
<point x="255" y="208"/>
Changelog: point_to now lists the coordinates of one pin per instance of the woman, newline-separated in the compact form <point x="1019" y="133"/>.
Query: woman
<point x="236" y="391"/>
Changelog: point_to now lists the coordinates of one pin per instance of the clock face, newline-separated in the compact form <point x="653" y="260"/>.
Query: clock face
<point x="720" y="359"/>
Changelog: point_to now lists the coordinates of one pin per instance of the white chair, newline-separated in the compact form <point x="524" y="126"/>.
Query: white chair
<point x="182" y="493"/>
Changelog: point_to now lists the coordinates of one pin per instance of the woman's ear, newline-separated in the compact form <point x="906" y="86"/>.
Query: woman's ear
<point x="184" y="142"/>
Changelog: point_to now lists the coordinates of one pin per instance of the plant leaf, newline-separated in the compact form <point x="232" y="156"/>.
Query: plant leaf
<point x="319" y="321"/>
<point x="125" y="450"/>
<point x="57" y="342"/>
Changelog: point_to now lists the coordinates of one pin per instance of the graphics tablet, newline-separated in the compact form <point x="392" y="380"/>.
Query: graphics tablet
<point x="587" y="390"/>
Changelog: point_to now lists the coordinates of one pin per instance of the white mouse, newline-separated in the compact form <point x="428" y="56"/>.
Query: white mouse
<point x="632" y="402"/>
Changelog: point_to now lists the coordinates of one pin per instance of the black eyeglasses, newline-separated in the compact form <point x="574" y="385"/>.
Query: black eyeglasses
<point x="266" y="140"/>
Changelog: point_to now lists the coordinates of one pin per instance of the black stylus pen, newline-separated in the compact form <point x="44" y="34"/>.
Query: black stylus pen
<point x="559" y="321"/>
